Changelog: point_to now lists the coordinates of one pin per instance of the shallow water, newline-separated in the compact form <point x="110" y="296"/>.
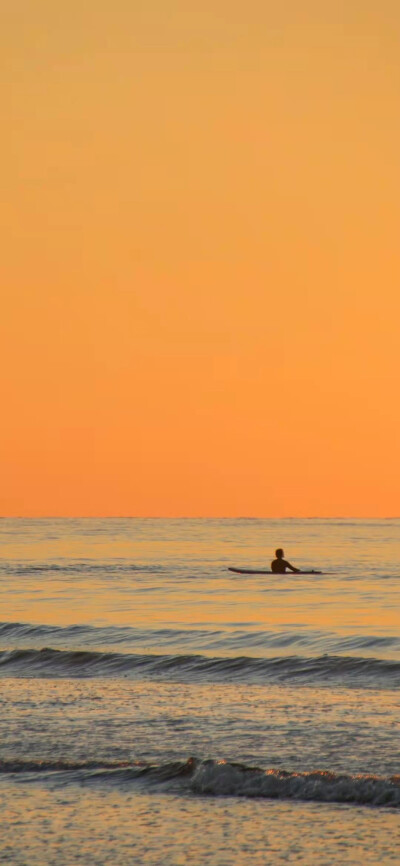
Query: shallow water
<point x="191" y="714"/>
<point x="91" y="826"/>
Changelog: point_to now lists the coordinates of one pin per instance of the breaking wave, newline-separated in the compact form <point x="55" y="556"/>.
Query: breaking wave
<point x="218" y="778"/>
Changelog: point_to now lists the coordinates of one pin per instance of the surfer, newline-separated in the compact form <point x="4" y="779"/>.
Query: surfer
<point x="279" y="565"/>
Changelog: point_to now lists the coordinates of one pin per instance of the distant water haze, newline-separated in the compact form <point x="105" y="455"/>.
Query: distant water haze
<point x="173" y="575"/>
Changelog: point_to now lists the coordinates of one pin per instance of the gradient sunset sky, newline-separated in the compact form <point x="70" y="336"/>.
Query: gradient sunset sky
<point x="200" y="269"/>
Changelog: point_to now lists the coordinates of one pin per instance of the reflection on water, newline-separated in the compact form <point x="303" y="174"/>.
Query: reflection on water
<point x="169" y="573"/>
<point x="120" y="828"/>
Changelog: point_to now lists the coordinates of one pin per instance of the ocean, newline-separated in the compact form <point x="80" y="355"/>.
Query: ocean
<point x="156" y="708"/>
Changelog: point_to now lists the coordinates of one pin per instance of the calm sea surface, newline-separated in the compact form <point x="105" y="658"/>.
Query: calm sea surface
<point x="157" y="709"/>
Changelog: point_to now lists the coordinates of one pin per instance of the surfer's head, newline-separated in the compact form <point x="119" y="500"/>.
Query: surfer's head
<point x="279" y="553"/>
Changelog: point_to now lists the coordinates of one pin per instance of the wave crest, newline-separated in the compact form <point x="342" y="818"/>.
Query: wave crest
<point x="222" y="779"/>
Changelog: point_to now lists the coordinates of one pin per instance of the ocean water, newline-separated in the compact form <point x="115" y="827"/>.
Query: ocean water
<point x="157" y="709"/>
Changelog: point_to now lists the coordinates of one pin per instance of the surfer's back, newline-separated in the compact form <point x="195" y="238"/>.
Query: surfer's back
<point x="279" y="566"/>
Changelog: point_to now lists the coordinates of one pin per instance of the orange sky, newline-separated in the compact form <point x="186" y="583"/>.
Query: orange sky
<point x="200" y="276"/>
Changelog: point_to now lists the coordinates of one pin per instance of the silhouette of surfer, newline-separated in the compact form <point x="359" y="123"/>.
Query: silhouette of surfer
<point x="279" y="565"/>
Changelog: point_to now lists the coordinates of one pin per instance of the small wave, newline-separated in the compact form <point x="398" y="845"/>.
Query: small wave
<point x="194" y="639"/>
<point x="106" y="636"/>
<point x="14" y="765"/>
<point x="345" y="670"/>
<point x="29" y="569"/>
<point x="220" y="778"/>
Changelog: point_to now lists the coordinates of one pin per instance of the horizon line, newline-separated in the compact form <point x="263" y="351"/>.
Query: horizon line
<point x="194" y="517"/>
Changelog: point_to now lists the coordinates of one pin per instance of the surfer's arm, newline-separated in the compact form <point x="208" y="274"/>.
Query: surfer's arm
<point x="292" y="568"/>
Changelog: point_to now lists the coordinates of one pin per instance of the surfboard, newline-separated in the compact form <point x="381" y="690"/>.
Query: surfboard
<point x="251" y="571"/>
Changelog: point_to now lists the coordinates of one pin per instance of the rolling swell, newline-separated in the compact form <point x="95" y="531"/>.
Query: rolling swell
<point x="234" y="640"/>
<point x="343" y="670"/>
<point x="218" y="778"/>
